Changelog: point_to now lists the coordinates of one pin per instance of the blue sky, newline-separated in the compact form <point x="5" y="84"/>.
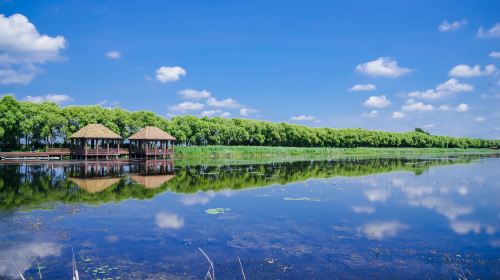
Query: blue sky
<point x="416" y="63"/>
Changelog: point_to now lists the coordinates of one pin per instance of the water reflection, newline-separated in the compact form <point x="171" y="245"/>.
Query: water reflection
<point x="350" y="219"/>
<point x="34" y="186"/>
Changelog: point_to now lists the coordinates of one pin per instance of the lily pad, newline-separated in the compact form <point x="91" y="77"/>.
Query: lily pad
<point x="216" y="211"/>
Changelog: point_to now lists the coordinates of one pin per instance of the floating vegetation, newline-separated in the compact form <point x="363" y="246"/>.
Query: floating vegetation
<point x="216" y="211"/>
<point x="302" y="199"/>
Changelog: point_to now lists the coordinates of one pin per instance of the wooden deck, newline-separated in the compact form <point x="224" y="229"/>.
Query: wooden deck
<point x="152" y="152"/>
<point x="59" y="153"/>
<point x="51" y="153"/>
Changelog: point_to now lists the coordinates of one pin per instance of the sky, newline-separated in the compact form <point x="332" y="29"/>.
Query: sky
<point x="389" y="65"/>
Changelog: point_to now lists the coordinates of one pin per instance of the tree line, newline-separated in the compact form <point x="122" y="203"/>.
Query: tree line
<point x="26" y="124"/>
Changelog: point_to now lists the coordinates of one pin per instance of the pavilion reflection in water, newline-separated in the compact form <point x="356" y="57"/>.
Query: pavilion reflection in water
<point x="95" y="177"/>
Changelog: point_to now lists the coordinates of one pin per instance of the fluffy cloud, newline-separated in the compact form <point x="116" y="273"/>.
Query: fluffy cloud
<point x="479" y="119"/>
<point x="453" y="85"/>
<point x="398" y="115"/>
<point x="445" y="26"/>
<point x="168" y="220"/>
<point x="467" y="71"/>
<point x="462" y="107"/>
<point x="465" y="227"/>
<point x="114" y="54"/>
<point x="411" y="105"/>
<point x="225" y="103"/>
<point x="201" y="198"/>
<point x="302" y="118"/>
<point x="211" y="113"/>
<point x="372" y="114"/>
<point x="56" y="98"/>
<point x="382" y="67"/>
<point x="444" y="108"/>
<point x="495" y="54"/>
<point x="22" y="48"/>
<point x="24" y="256"/>
<point x="377" y="195"/>
<point x="187" y="106"/>
<point x="493" y="32"/>
<point x="359" y="87"/>
<point x="449" y="87"/>
<point x="194" y="94"/>
<point x="377" y="101"/>
<point x="166" y="74"/>
<point x="363" y="209"/>
<point x="247" y="111"/>
<point x="382" y="230"/>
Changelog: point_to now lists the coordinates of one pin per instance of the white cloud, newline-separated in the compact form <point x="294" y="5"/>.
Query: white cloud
<point x="22" y="75"/>
<point x="465" y="227"/>
<point x="398" y="115"/>
<point x="372" y="114"/>
<point x="201" y="198"/>
<point x="24" y="255"/>
<point x="22" y="48"/>
<point x="114" y="54"/>
<point x="449" y="87"/>
<point x="194" y="94"/>
<point x="225" y="103"/>
<point x="363" y="209"/>
<point x="382" y="230"/>
<point x="168" y="220"/>
<point x="166" y="74"/>
<point x="211" y="113"/>
<point x="377" y="101"/>
<point x="493" y="32"/>
<point x="462" y="107"/>
<point x="56" y="98"/>
<point x="377" y="195"/>
<point x="382" y="67"/>
<point x="453" y="85"/>
<point x="444" y="108"/>
<point x="187" y="106"/>
<point x="466" y="71"/>
<point x="445" y="26"/>
<point x="411" y="105"/>
<point x="247" y="111"/>
<point x="495" y="54"/>
<point x="303" y="118"/>
<point x="479" y="119"/>
<point x="359" y="87"/>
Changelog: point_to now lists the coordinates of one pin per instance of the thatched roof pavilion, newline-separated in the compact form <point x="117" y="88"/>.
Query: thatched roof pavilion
<point x="152" y="181"/>
<point x="95" y="140"/>
<point x="151" y="141"/>
<point x="94" y="185"/>
<point x="151" y="133"/>
<point x="95" y="131"/>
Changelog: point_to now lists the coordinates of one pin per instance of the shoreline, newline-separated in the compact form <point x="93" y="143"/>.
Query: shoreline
<point x="258" y="152"/>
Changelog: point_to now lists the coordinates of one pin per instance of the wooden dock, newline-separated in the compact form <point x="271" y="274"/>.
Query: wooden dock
<point x="50" y="153"/>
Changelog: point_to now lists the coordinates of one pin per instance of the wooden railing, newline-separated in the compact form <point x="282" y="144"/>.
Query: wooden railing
<point x="58" y="150"/>
<point x="151" y="151"/>
<point x="99" y="151"/>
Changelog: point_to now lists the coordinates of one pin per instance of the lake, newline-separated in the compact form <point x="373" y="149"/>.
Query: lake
<point x="407" y="218"/>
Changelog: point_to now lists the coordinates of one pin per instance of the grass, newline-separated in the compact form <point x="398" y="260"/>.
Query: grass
<point x="249" y="152"/>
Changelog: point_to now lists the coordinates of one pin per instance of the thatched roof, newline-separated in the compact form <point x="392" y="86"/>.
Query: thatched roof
<point x="152" y="181"/>
<point x="95" y="131"/>
<point x="151" y="133"/>
<point x="94" y="185"/>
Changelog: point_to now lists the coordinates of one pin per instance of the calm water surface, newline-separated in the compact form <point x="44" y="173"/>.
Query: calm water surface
<point x="436" y="218"/>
